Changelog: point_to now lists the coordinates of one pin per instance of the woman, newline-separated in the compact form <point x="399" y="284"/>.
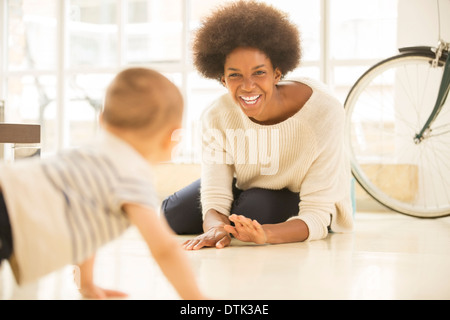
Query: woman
<point x="274" y="168"/>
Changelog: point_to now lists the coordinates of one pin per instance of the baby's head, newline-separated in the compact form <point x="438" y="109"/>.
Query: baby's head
<point x="144" y="108"/>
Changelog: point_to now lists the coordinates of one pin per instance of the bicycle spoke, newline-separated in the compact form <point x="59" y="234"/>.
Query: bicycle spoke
<point x="439" y="164"/>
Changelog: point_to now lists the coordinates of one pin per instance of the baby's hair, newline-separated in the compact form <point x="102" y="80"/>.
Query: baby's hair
<point x="140" y="97"/>
<point x="246" y="24"/>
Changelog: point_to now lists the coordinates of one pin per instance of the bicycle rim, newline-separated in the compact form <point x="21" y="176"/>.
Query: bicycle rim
<point x="386" y="107"/>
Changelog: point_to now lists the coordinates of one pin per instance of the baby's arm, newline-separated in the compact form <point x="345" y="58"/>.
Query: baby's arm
<point x="87" y="287"/>
<point x="165" y="250"/>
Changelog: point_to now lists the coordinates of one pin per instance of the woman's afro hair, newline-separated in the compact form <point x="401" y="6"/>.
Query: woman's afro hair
<point x="245" y="24"/>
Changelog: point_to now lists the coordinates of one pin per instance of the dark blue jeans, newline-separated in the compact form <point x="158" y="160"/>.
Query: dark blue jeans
<point x="5" y="232"/>
<point x="183" y="209"/>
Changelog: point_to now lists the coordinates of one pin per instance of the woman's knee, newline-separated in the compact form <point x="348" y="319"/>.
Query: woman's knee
<point x="182" y="210"/>
<point x="267" y="206"/>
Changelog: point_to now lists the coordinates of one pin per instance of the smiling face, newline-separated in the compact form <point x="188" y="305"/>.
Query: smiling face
<point x="251" y="80"/>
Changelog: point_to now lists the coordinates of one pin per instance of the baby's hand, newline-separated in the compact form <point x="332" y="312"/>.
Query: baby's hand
<point x="95" y="292"/>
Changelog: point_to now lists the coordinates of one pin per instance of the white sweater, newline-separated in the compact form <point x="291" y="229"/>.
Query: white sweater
<point x="304" y="153"/>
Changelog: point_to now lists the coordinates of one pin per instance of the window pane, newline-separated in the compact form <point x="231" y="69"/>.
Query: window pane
<point x="93" y="33"/>
<point x="29" y="23"/>
<point x="306" y="15"/>
<point x="365" y="31"/>
<point x="308" y="72"/>
<point x="344" y="78"/>
<point x="86" y="93"/>
<point x="201" y="8"/>
<point x="154" y="31"/>
<point x="31" y="99"/>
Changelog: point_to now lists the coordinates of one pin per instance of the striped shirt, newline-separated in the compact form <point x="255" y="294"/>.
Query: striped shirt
<point x="63" y="208"/>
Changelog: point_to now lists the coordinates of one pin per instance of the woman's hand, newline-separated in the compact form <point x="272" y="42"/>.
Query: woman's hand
<point x="246" y="229"/>
<point x="214" y="237"/>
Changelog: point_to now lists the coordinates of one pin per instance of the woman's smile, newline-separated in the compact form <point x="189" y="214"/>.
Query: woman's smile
<point x="250" y="100"/>
<point x="250" y="103"/>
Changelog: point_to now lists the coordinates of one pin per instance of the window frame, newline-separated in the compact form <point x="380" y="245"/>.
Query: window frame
<point x="183" y="67"/>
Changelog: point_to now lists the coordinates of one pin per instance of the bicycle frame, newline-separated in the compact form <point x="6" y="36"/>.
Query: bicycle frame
<point x="442" y="94"/>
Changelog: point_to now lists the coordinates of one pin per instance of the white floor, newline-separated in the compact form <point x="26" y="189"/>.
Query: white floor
<point x="389" y="256"/>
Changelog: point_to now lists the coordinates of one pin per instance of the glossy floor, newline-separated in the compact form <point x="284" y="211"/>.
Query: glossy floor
<point x="389" y="256"/>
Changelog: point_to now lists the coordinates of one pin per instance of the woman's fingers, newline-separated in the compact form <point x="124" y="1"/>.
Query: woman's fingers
<point x="241" y="221"/>
<point x="224" y="242"/>
<point x="212" y="238"/>
<point x="248" y="230"/>
<point x="230" y="229"/>
<point x="197" y="244"/>
<point x="257" y="225"/>
<point x="191" y="244"/>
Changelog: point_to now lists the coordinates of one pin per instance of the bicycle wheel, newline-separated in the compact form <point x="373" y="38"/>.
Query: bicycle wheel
<point x="386" y="107"/>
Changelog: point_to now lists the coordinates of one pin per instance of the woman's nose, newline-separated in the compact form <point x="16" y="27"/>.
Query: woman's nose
<point x="248" y="83"/>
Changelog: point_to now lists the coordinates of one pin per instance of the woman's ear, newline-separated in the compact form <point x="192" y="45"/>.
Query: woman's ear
<point x="222" y="80"/>
<point x="278" y="75"/>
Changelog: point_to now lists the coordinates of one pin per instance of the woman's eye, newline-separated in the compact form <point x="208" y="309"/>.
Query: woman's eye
<point x="260" y="73"/>
<point x="233" y="75"/>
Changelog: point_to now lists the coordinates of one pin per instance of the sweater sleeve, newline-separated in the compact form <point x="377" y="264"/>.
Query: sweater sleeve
<point x="326" y="182"/>
<point x="216" y="173"/>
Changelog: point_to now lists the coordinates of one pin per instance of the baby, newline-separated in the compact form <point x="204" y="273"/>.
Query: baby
<point x="60" y="210"/>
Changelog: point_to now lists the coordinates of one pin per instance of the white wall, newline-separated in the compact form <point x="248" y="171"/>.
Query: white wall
<point x="418" y="22"/>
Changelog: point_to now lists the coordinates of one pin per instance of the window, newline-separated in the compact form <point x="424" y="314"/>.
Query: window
<point x="57" y="56"/>
<point x="360" y="34"/>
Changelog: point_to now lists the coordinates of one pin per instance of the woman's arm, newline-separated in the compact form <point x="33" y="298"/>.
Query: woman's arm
<point x="214" y="233"/>
<point x="249" y="230"/>
<point x="289" y="231"/>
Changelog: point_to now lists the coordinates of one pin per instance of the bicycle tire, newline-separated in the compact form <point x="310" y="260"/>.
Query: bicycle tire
<point x="385" y="108"/>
